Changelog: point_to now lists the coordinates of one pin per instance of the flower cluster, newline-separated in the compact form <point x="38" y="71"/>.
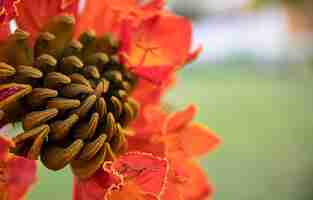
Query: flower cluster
<point x="86" y="81"/>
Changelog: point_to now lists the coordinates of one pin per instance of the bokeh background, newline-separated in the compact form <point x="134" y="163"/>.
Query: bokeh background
<point x="254" y="87"/>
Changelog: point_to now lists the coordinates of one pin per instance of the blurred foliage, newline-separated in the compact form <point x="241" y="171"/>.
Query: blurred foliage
<point x="261" y="3"/>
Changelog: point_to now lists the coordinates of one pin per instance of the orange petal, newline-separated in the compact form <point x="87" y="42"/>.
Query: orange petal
<point x="147" y="145"/>
<point x="196" y="186"/>
<point x="21" y="176"/>
<point x="107" y="16"/>
<point x="149" y="122"/>
<point x="163" y="40"/>
<point x="146" y="171"/>
<point x="98" y="16"/>
<point x="172" y="191"/>
<point x="136" y="9"/>
<point x="192" y="140"/>
<point x="157" y="75"/>
<point x="96" y="187"/>
<point x="130" y="192"/>
<point x="179" y="119"/>
<point x="34" y="14"/>
<point x="147" y="93"/>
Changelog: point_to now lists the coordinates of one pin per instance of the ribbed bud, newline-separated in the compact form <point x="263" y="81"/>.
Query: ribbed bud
<point x="6" y="70"/>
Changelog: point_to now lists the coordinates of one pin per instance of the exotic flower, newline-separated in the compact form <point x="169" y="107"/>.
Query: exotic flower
<point x="82" y="84"/>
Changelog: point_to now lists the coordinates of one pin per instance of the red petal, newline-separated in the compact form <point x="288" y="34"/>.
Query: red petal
<point x="187" y="181"/>
<point x="163" y="40"/>
<point x="21" y="176"/>
<point x="4" y="31"/>
<point x="66" y="4"/>
<point x="172" y="191"/>
<point x="154" y="4"/>
<point x="174" y="185"/>
<point x="136" y="5"/>
<point x="157" y="75"/>
<point x="98" y="16"/>
<point x="148" y="145"/>
<point x="179" y="119"/>
<point x="8" y="10"/>
<point x="149" y="122"/>
<point x="96" y="187"/>
<point x="192" y="140"/>
<point x="108" y="15"/>
<point x="194" y="55"/>
<point x="34" y="14"/>
<point x="5" y="144"/>
<point x="17" y="174"/>
<point x="146" y="171"/>
<point x="130" y="192"/>
<point x="147" y="93"/>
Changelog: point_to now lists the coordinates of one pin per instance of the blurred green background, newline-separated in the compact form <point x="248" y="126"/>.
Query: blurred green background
<point x="264" y="121"/>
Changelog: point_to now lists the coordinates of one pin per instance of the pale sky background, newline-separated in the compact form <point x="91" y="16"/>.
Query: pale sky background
<point x="229" y="30"/>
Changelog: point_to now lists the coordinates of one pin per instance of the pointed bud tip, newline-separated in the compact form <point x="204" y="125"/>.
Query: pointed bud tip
<point x="20" y="34"/>
<point x="66" y="19"/>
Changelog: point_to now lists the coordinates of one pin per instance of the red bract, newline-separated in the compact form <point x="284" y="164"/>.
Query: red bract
<point x="17" y="174"/>
<point x="34" y="14"/>
<point x="8" y="10"/>
<point x="96" y="187"/>
<point x="133" y="176"/>
<point x="147" y="93"/>
<point x="109" y="15"/>
<point x="156" y="43"/>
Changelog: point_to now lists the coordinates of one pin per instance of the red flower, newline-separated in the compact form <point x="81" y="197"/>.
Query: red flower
<point x="159" y="162"/>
